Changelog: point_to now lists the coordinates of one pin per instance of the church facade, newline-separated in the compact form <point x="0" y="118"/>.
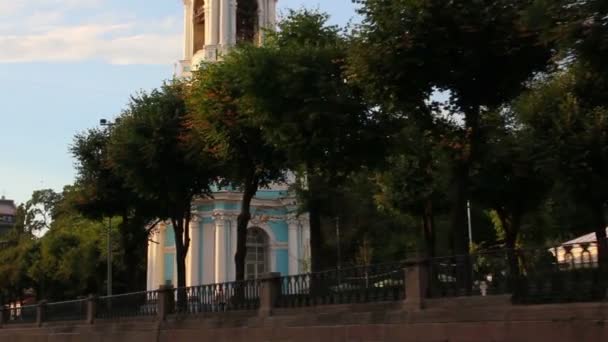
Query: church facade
<point x="278" y="239"/>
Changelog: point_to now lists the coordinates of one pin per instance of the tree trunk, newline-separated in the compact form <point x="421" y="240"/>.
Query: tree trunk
<point x="315" y="235"/>
<point x="250" y="189"/>
<point x="511" y="226"/>
<point x="429" y="228"/>
<point x="134" y="242"/>
<point x="182" y="243"/>
<point x="461" y="193"/>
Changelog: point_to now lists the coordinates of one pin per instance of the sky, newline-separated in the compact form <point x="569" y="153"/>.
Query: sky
<point x="65" y="64"/>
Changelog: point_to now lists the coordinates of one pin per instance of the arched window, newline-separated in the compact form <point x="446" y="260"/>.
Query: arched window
<point x="199" y="25"/>
<point x="256" y="261"/>
<point x="246" y="21"/>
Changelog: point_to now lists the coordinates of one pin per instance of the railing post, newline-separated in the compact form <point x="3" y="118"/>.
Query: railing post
<point x="41" y="312"/>
<point x="415" y="284"/>
<point x="91" y="309"/>
<point x="164" y="301"/>
<point x="270" y="290"/>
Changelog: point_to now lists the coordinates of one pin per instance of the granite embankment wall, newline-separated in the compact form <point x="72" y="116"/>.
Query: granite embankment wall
<point x="483" y="319"/>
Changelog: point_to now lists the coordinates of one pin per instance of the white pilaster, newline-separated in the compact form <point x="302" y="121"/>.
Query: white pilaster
<point x="293" y="252"/>
<point x="220" y="250"/>
<point x="208" y="276"/>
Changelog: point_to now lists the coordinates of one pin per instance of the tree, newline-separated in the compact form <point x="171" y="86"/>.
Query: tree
<point x="149" y="148"/>
<point x="16" y="255"/>
<point x="568" y="116"/>
<point x="225" y="124"/>
<point x="479" y="52"/>
<point x="306" y="108"/>
<point x="414" y="181"/>
<point x="507" y="177"/>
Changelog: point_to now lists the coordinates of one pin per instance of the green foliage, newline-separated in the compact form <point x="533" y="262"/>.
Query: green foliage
<point x="99" y="192"/>
<point x="152" y="149"/>
<point x="16" y="257"/>
<point x="225" y="123"/>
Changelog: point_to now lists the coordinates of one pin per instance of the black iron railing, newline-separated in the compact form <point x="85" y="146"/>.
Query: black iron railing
<point x="73" y="310"/>
<point x="136" y="304"/>
<point x="20" y="314"/>
<point x="566" y="273"/>
<point x="477" y="274"/>
<point x="231" y="296"/>
<point x="561" y="274"/>
<point x="374" y="283"/>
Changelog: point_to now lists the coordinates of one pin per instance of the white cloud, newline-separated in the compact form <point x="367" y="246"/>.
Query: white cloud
<point x="67" y="30"/>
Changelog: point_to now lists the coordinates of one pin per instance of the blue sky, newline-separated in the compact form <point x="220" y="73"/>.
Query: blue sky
<point x="64" y="64"/>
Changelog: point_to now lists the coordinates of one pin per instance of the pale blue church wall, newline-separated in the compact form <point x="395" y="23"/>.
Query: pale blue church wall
<point x="282" y="256"/>
<point x="227" y="205"/>
<point x="269" y="211"/>
<point x="205" y="207"/>
<point x="280" y="230"/>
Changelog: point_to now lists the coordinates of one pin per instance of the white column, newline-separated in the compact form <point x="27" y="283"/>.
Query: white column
<point x="214" y="21"/>
<point x="188" y="27"/>
<point x="194" y="253"/>
<point x="293" y="252"/>
<point x="208" y="22"/>
<point x="305" y="255"/>
<point x="232" y="11"/>
<point x="160" y="257"/>
<point x="225" y="22"/>
<point x="272" y="13"/>
<point x="150" y="268"/>
<point x="220" y="250"/>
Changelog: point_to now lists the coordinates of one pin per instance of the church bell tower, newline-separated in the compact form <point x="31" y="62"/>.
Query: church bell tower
<point x="212" y="27"/>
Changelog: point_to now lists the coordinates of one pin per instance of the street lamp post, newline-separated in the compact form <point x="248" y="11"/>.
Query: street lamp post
<point x="104" y="122"/>
<point x="109" y="257"/>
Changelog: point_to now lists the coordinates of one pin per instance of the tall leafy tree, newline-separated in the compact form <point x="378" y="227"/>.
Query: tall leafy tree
<point x="225" y="123"/>
<point x="305" y="107"/>
<point x="151" y="150"/>
<point x="478" y="52"/>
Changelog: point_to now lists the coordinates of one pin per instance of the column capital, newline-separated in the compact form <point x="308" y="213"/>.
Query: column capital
<point x="221" y="215"/>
